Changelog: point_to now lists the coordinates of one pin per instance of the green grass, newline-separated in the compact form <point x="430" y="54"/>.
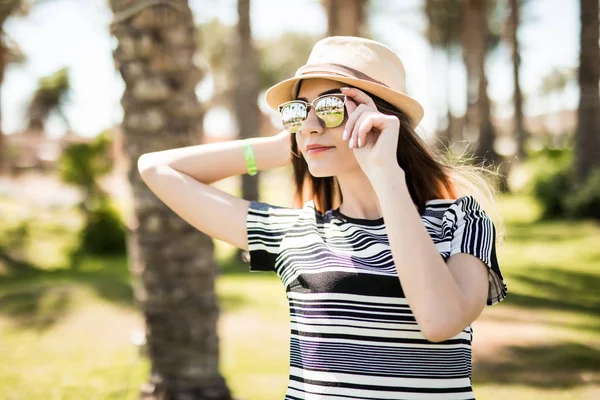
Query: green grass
<point x="66" y="334"/>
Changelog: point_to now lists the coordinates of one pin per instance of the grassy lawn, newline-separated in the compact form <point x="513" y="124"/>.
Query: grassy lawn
<point x="67" y="334"/>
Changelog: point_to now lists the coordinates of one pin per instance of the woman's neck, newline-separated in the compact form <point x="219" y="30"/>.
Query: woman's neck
<point x="359" y="198"/>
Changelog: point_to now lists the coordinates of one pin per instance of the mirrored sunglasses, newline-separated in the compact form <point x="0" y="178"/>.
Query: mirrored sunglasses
<point x="329" y="109"/>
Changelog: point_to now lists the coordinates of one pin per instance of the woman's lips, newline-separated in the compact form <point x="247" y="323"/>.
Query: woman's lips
<point x="318" y="150"/>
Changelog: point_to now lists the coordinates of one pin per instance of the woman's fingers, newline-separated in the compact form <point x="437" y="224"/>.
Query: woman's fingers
<point x="351" y="123"/>
<point x="367" y="125"/>
<point x="356" y="104"/>
<point x="354" y="136"/>
<point x="363" y="126"/>
<point x="350" y="107"/>
<point x="359" y="96"/>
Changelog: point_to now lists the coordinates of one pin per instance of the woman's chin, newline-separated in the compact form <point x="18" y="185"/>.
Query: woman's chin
<point x="321" y="171"/>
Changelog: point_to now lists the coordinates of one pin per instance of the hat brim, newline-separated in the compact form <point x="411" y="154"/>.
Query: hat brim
<point x="282" y="92"/>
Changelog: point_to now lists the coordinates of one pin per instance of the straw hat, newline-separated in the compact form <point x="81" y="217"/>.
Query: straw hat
<point x="363" y="63"/>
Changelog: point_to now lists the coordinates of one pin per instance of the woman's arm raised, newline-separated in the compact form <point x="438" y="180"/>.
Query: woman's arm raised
<point x="181" y="178"/>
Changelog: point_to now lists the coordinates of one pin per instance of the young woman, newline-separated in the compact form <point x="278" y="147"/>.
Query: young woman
<point x="384" y="265"/>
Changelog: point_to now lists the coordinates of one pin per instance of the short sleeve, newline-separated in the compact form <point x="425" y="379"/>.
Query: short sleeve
<point x="472" y="231"/>
<point x="267" y="225"/>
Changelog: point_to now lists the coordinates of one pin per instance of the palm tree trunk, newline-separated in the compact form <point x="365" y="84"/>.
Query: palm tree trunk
<point x="247" y="91"/>
<point x="172" y="261"/>
<point x="474" y="39"/>
<point x="246" y="94"/>
<point x="345" y="17"/>
<point x="3" y="150"/>
<point x="518" y="96"/>
<point x="471" y="43"/>
<point x="487" y="133"/>
<point x="587" y="142"/>
<point x="7" y="8"/>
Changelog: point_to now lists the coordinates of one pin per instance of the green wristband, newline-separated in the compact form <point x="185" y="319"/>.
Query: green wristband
<point x="250" y="160"/>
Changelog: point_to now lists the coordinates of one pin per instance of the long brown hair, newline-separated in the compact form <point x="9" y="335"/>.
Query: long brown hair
<point x="429" y="173"/>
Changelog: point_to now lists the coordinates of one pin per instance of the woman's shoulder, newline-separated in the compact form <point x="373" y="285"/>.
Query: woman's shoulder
<point x="260" y="205"/>
<point x="463" y="201"/>
<point x="273" y="213"/>
<point x="452" y="208"/>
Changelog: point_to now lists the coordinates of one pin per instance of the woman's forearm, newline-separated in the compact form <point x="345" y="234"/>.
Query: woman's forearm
<point x="434" y="296"/>
<point x="212" y="162"/>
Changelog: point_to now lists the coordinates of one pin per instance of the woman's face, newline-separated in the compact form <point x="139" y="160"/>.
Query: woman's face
<point x="339" y="158"/>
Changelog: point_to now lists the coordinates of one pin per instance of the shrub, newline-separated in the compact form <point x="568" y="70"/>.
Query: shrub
<point x="555" y="187"/>
<point x="553" y="178"/>
<point x="104" y="232"/>
<point x="585" y="201"/>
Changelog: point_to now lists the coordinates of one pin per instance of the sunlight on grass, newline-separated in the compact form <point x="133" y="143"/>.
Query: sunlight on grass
<point x="85" y="353"/>
<point x="521" y="392"/>
<point x="518" y="209"/>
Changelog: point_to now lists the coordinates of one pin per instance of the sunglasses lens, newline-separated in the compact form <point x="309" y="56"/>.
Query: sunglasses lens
<point x="292" y="116"/>
<point x="330" y="110"/>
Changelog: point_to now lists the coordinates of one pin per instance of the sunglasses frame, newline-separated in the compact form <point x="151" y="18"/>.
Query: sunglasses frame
<point x="312" y="103"/>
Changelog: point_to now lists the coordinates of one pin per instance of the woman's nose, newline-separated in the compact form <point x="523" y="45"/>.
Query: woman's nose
<point x="311" y="124"/>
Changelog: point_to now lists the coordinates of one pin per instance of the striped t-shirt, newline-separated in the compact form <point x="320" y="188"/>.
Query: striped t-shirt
<point x="353" y="335"/>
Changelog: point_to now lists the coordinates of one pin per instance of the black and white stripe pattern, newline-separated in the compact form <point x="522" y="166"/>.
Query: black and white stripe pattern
<point x="353" y="335"/>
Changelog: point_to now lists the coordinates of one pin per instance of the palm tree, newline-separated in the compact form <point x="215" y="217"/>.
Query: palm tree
<point x="443" y="17"/>
<point x="475" y="37"/>
<point x="172" y="261"/>
<point x="345" y="17"/>
<point x="49" y="97"/>
<point x="7" y="8"/>
<point x="220" y="56"/>
<point x="472" y="26"/>
<point x="247" y="90"/>
<point x="246" y="95"/>
<point x="513" y="27"/>
<point x="587" y="142"/>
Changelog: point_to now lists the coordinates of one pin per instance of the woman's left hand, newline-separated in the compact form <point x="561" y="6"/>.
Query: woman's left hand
<point x="372" y="134"/>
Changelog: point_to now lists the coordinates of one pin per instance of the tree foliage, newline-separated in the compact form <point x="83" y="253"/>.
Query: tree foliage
<point x="279" y="58"/>
<point x="282" y="56"/>
<point x="50" y="95"/>
<point x="81" y="165"/>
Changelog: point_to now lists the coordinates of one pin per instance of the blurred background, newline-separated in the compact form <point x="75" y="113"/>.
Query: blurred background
<point x="106" y="294"/>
